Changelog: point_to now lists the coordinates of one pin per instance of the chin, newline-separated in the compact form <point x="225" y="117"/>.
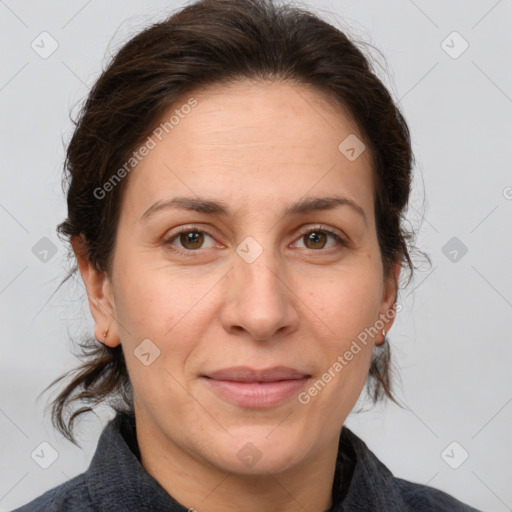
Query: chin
<point x="254" y="451"/>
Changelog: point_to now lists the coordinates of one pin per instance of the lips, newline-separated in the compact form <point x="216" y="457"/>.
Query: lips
<point x="246" y="374"/>
<point x="248" y="387"/>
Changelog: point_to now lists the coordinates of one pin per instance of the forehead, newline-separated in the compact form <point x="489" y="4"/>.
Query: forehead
<point x="244" y="142"/>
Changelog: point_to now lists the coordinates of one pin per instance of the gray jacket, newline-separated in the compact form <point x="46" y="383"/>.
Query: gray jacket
<point x="117" y="481"/>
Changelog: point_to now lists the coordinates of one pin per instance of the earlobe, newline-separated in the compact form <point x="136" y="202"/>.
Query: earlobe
<point x="100" y="296"/>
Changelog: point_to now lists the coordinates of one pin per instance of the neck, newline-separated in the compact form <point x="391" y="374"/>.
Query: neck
<point x="199" y="486"/>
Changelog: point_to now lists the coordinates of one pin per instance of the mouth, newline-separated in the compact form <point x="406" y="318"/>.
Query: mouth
<point x="248" y="387"/>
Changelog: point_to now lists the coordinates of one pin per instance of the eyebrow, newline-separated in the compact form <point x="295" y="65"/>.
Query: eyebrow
<point x="215" y="207"/>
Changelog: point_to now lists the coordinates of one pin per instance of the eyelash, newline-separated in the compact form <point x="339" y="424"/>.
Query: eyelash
<point x="195" y="229"/>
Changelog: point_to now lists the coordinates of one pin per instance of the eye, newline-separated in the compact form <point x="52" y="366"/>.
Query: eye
<point x="316" y="238"/>
<point x="190" y="239"/>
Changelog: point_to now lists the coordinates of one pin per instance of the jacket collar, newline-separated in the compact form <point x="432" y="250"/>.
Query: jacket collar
<point x="116" y="478"/>
<point x="373" y="486"/>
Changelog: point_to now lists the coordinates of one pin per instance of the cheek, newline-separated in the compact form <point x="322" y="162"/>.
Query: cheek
<point x="149" y="299"/>
<point x="166" y="306"/>
<point x="349" y="305"/>
<point x="145" y="306"/>
<point x="151" y="306"/>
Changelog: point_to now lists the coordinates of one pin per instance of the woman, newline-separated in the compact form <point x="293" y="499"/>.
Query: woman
<point x="237" y="180"/>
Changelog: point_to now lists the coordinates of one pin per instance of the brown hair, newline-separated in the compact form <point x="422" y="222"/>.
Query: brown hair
<point x="212" y="42"/>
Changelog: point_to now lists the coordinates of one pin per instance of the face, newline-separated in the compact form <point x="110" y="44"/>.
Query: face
<point x="203" y="296"/>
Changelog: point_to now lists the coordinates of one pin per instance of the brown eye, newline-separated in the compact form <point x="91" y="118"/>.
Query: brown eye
<point x="191" y="239"/>
<point x="315" y="240"/>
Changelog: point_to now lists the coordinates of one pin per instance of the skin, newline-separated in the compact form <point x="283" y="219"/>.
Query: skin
<point x="258" y="147"/>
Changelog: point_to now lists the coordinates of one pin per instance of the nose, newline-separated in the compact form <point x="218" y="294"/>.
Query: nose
<point x="259" y="303"/>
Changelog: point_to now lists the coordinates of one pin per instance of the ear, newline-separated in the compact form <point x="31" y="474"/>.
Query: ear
<point x="389" y="296"/>
<point x="100" y="295"/>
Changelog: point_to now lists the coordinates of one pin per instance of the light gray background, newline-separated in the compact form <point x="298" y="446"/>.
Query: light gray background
<point x="452" y="340"/>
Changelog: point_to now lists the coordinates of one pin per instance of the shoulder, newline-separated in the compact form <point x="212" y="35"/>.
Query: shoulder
<point x="374" y="485"/>
<point x="71" y="496"/>
<point x="422" y="497"/>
